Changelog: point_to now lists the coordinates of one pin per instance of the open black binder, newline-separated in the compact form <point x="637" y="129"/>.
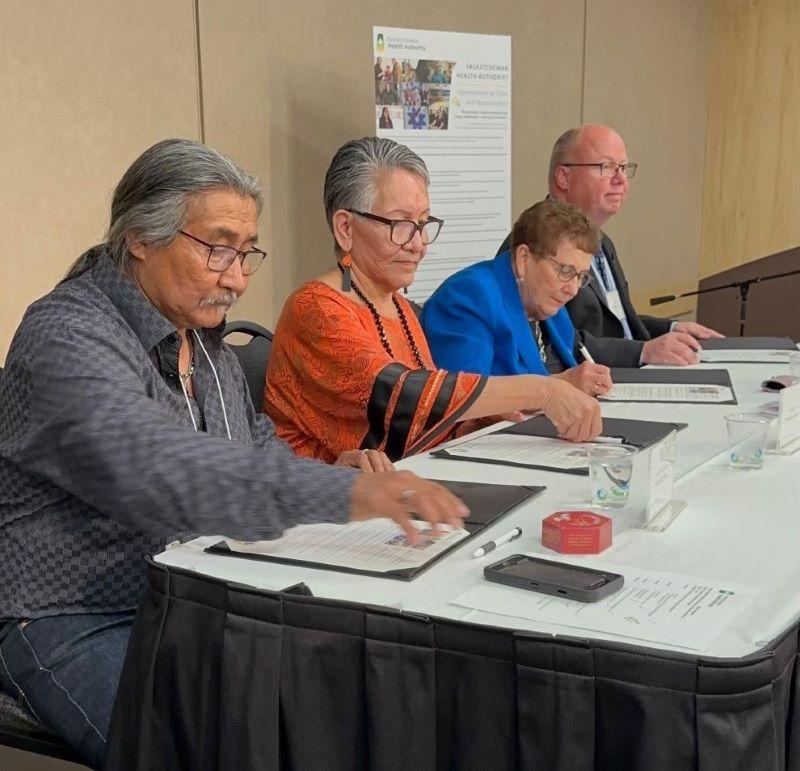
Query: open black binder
<point x="487" y="504"/>
<point x="677" y="375"/>
<point x="637" y="433"/>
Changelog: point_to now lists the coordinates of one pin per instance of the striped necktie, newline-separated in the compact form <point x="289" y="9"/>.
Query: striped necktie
<point x="602" y="268"/>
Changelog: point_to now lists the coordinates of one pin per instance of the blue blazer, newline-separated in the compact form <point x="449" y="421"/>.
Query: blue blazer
<point x="475" y="322"/>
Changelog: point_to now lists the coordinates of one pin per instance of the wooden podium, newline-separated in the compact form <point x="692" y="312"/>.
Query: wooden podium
<point x="773" y="308"/>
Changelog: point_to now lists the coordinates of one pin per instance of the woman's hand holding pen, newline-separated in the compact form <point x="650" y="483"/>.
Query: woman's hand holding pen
<point x="592" y="379"/>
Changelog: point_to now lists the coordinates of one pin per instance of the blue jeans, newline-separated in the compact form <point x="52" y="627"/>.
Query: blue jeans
<point x="66" y="670"/>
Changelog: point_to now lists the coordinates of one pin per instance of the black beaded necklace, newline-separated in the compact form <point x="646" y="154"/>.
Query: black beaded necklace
<point x="376" y="317"/>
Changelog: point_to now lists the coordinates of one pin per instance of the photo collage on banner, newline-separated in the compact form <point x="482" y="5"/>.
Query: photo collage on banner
<point x="447" y="95"/>
<point x="412" y="93"/>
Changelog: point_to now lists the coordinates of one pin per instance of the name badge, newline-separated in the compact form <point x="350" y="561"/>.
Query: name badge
<point x="655" y="474"/>
<point x="789" y="420"/>
<point x="661" y="477"/>
<point x="615" y="304"/>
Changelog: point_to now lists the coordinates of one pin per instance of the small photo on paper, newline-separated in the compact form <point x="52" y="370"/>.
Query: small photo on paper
<point x="432" y="93"/>
<point x="438" y="115"/>
<point x="385" y="75"/>
<point x="388" y="118"/>
<point x="411" y="94"/>
<point x="434" y="71"/>
<point x="388" y="94"/>
<point x="416" y="118"/>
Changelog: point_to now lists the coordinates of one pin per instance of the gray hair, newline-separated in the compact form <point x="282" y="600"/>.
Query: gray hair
<point x="351" y="181"/>
<point x="152" y="201"/>
<point x="564" y="145"/>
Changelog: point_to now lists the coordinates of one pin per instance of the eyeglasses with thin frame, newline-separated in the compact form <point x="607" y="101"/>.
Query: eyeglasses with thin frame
<point x="401" y="232"/>
<point x="221" y="257"/>
<point x="567" y="272"/>
<point x="609" y="169"/>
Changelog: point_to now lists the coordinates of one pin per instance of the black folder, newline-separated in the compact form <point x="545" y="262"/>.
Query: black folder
<point x="677" y="375"/>
<point x="637" y="433"/>
<point x="487" y="504"/>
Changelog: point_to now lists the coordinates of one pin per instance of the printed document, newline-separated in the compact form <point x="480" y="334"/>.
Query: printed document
<point x="752" y="355"/>
<point x="669" y="392"/>
<point x="663" y="608"/>
<point x="527" y="450"/>
<point x="375" y="544"/>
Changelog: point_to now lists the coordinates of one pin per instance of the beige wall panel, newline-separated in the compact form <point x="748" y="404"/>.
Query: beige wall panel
<point x="647" y="75"/>
<point x="85" y="87"/>
<point x="751" y="204"/>
<point x="235" y="53"/>
<point x="320" y="95"/>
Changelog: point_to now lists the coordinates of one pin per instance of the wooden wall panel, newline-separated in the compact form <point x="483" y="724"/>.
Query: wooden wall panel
<point x="751" y="201"/>
<point x="646" y="74"/>
<point x="236" y="50"/>
<point x="85" y="87"/>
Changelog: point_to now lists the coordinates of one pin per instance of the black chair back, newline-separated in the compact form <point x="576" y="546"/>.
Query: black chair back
<point x="253" y="356"/>
<point x="416" y="307"/>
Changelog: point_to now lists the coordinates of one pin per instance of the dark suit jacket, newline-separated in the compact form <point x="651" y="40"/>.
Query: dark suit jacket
<point x="599" y="329"/>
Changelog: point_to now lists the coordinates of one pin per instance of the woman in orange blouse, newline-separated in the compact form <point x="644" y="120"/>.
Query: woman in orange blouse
<point x="349" y="364"/>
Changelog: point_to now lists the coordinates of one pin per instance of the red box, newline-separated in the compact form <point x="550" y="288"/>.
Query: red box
<point x="576" y="532"/>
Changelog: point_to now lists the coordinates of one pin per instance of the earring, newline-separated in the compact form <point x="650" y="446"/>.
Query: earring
<point x="347" y="282"/>
<point x="520" y="280"/>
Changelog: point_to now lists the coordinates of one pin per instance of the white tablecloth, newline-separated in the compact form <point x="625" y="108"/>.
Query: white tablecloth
<point x="738" y="526"/>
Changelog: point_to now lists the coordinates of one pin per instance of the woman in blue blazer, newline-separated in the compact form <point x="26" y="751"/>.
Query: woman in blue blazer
<point x="506" y="316"/>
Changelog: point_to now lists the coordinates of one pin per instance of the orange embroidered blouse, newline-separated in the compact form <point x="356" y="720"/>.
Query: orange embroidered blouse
<point x="331" y="386"/>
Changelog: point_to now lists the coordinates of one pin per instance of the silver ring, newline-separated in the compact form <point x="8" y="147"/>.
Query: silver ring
<point x="407" y="495"/>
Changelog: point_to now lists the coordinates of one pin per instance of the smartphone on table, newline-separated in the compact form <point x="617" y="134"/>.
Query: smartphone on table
<point x="561" y="579"/>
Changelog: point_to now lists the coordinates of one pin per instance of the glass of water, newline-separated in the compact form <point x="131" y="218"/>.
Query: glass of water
<point x="747" y="437"/>
<point x="610" y="472"/>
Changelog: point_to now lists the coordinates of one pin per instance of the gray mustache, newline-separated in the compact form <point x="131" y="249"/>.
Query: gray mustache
<point x="228" y="299"/>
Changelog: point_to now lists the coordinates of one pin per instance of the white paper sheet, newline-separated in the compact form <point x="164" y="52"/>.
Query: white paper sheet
<point x="749" y="355"/>
<point x="669" y="392"/>
<point x="375" y="544"/>
<point x="531" y="450"/>
<point x="664" y="608"/>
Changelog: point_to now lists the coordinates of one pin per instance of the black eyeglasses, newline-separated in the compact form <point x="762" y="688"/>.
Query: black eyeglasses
<point x="567" y="273"/>
<point x="608" y="169"/>
<point x="221" y="257"/>
<point x="401" y="232"/>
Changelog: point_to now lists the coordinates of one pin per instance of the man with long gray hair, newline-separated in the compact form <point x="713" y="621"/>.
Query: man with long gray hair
<point x="125" y="423"/>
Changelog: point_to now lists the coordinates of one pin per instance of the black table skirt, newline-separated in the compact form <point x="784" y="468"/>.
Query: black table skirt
<point x="222" y="676"/>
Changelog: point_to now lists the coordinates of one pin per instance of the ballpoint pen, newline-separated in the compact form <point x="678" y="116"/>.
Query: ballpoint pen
<point x="586" y="355"/>
<point x="512" y="535"/>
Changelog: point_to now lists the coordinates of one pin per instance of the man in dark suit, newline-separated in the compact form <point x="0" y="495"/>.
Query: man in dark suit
<point x="589" y="168"/>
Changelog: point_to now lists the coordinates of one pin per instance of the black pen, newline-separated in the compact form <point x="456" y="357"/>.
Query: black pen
<point x="512" y="535"/>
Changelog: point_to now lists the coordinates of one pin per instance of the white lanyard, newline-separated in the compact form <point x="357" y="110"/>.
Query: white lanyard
<point x="219" y="389"/>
